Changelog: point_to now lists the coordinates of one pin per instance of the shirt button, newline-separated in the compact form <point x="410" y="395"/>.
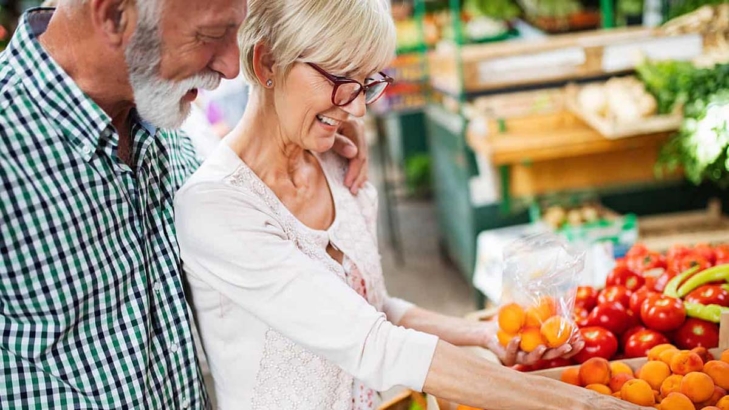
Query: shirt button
<point x="157" y="287"/>
<point x="174" y="347"/>
<point x="185" y="403"/>
<point x="86" y="150"/>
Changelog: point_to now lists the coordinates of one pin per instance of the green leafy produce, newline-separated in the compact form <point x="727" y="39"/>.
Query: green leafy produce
<point x="497" y="9"/>
<point x="701" y="147"/>
<point x="680" y="7"/>
<point x="551" y="8"/>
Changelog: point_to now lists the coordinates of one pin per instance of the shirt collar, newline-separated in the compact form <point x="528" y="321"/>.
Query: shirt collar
<point x="53" y="91"/>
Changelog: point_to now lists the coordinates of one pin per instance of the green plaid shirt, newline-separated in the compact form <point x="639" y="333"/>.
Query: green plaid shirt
<point x="92" y="307"/>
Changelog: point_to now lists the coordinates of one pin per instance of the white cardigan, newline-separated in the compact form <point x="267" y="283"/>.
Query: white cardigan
<point x="280" y="322"/>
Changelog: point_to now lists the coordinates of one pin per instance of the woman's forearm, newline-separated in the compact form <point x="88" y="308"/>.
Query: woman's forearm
<point x="456" y="331"/>
<point x="463" y="378"/>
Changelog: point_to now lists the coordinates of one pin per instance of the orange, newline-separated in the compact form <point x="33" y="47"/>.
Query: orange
<point x="531" y="338"/>
<point x="638" y="392"/>
<point x="685" y="362"/>
<point x="556" y="331"/>
<point x="511" y="318"/>
<point x="676" y="401"/>
<point x="655" y="351"/>
<point x="719" y="373"/>
<point x="600" y="388"/>
<point x="571" y="375"/>
<point x="620" y="367"/>
<point x="655" y="373"/>
<point x="595" y="370"/>
<point x="697" y="386"/>
<point x="672" y="384"/>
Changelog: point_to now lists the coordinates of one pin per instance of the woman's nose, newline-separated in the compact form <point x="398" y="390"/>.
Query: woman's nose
<point x="357" y="107"/>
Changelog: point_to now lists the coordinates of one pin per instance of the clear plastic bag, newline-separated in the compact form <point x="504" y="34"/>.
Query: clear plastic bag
<point x="541" y="273"/>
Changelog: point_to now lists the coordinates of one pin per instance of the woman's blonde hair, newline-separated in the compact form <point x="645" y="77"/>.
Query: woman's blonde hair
<point x="345" y="36"/>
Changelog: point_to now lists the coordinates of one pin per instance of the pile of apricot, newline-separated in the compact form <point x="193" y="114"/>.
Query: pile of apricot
<point x="671" y="379"/>
<point x="535" y="325"/>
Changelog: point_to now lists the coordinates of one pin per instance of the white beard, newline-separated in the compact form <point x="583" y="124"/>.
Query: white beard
<point x="160" y="101"/>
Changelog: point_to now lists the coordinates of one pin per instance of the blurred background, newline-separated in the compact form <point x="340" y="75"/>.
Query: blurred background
<point x="602" y="120"/>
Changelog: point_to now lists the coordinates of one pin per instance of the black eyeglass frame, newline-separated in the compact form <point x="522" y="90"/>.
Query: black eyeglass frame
<point x="339" y="81"/>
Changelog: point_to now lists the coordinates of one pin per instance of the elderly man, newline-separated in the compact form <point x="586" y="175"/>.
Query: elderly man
<point x="92" y="307"/>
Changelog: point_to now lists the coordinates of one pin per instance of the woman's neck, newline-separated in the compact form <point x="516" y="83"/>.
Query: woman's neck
<point x="261" y="143"/>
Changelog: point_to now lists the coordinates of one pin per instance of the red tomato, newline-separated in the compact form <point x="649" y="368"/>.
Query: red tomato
<point x="599" y="342"/>
<point x="722" y="254"/>
<point x="586" y="297"/>
<point x="689" y="261"/>
<point x="623" y="276"/>
<point x="663" y="280"/>
<point x="581" y="316"/>
<point x="558" y="362"/>
<point x="611" y="316"/>
<point x="709" y="295"/>
<point x="697" y="332"/>
<point x="633" y="319"/>
<point x="640" y="342"/>
<point x="663" y="313"/>
<point x="675" y="254"/>
<point x="644" y="263"/>
<point x="630" y="332"/>
<point x="619" y="294"/>
<point x="705" y="251"/>
<point x="637" y="250"/>
<point x="522" y="367"/>
<point x="637" y="299"/>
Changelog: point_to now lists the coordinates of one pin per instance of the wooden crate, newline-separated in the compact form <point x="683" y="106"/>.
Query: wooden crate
<point x="660" y="232"/>
<point x="555" y="58"/>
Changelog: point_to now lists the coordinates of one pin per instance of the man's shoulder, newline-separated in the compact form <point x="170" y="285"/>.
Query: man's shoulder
<point x="10" y="85"/>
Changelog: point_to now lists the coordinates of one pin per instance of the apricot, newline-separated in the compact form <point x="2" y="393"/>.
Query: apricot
<point x="618" y="380"/>
<point x="704" y="354"/>
<point x="511" y="318"/>
<point x="504" y="338"/>
<point x="617" y="395"/>
<point x="595" y="370"/>
<point x="697" y="386"/>
<point x="723" y="403"/>
<point x="531" y="338"/>
<point x="571" y="375"/>
<point x="672" y="384"/>
<point x="600" y="388"/>
<point x="544" y="309"/>
<point x="685" y="362"/>
<point x="725" y="356"/>
<point x="718" y="394"/>
<point x="655" y="351"/>
<point x="556" y="331"/>
<point x="620" y="367"/>
<point x="655" y="373"/>
<point x="638" y="392"/>
<point x="667" y="355"/>
<point x="676" y="401"/>
<point x="710" y="408"/>
<point x="719" y="373"/>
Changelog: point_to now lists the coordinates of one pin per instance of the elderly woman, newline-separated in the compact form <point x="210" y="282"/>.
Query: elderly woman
<point x="282" y="259"/>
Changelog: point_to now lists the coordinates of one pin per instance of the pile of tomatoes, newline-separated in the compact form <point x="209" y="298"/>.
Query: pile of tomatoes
<point x="630" y="315"/>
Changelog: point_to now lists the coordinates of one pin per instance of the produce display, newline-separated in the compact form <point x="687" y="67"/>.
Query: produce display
<point x="651" y="299"/>
<point x="558" y="216"/>
<point x="671" y="379"/>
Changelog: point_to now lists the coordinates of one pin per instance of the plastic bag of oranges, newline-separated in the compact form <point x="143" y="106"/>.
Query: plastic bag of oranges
<point x="539" y="277"/>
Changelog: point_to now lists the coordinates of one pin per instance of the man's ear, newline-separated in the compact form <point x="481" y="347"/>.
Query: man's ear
<point x="115" y="19"/>
<point x="263" y="63"/>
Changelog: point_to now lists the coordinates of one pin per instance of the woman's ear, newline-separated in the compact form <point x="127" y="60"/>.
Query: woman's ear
<point x="263" y="64"/>
<point x="115" y="19"/>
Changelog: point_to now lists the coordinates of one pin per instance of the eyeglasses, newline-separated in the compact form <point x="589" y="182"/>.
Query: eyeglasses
<point x="347" y="90"/>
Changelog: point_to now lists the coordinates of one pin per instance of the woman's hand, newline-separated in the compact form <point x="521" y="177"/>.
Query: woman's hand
<point x="350" y="142"/>
<point x="511" y="354"/>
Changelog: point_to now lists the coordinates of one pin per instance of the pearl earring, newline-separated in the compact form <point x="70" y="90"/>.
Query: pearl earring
<point x="269" y="83"/>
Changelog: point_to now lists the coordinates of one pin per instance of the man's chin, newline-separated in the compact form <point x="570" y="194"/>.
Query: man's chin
<point x="166" y="119"/>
